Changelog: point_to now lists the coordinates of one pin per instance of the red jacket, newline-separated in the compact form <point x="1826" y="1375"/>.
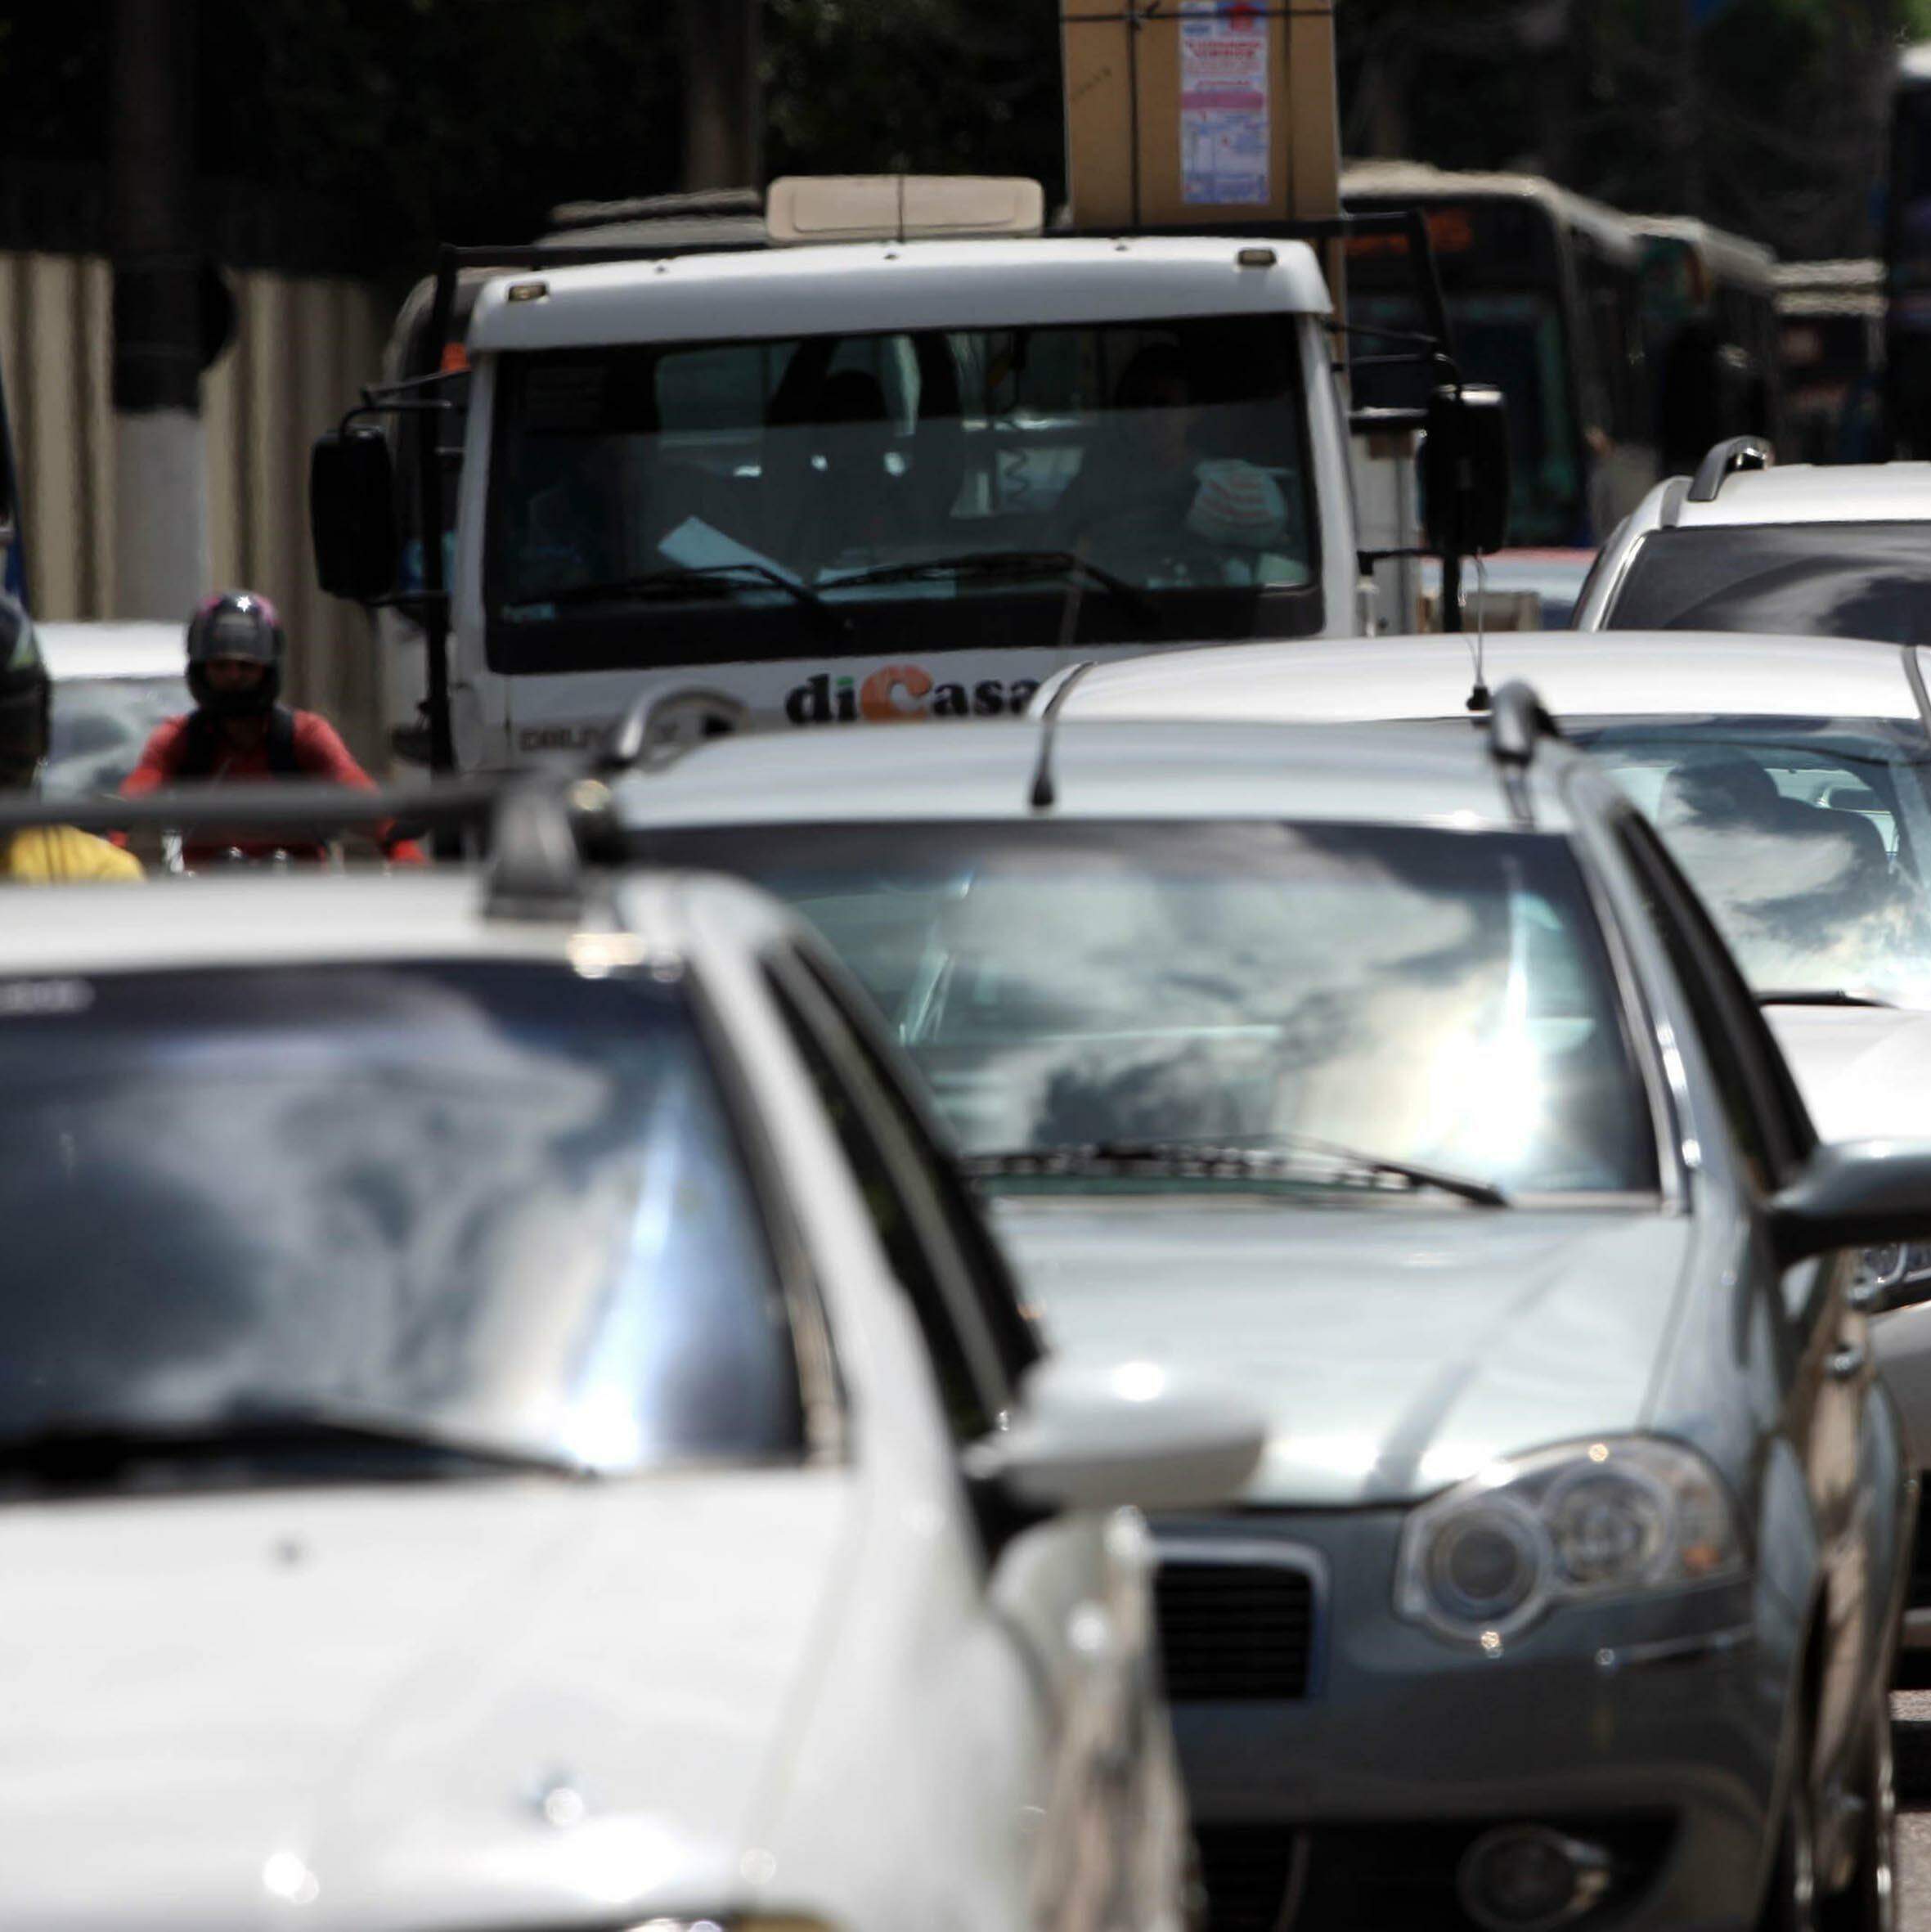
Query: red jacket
<point x="319" y="753"/>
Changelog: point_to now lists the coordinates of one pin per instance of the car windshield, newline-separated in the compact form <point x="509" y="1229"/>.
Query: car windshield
<point x="1422" y="996"/>
<point x="500" y="1202"/>
<point x="1807" y="838"/>
<point x="935" y="465"/>
<point x="99" y="726"/>
<point x="1807" y="580"/>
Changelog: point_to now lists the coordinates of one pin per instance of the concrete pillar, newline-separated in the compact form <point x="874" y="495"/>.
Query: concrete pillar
<point x="160" y="295"/>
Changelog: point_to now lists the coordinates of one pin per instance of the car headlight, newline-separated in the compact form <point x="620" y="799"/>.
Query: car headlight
<point x="1610" y="1518"/>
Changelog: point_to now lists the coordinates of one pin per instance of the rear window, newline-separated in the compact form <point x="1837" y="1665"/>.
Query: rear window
<point x="1810" y="580"/>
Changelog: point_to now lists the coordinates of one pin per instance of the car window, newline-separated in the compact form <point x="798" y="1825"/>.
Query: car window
<point x="1807" y="839"/>
<point x="986" y="1271"/>
<point x="493" y="1198"/>
<point x="1408" y="993"/>
<point x="1768" y="1125"/>
<point x="1809" y="580"/>
<point x="908" y="1227"/>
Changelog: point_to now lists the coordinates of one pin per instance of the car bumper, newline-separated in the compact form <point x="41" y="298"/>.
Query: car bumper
<point x="1652" y="1729"/>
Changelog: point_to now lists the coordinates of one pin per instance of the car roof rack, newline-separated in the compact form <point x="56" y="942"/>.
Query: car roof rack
<point x="1518" y="722"/>
<point x="1727" y="459"/>
<point x="539" y="832"/>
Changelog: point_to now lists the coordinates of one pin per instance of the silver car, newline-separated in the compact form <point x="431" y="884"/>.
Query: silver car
<point x="1790" y="778"/>
<point x="1399" y="1074"/>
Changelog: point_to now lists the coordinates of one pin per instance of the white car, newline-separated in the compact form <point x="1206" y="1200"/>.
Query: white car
<point x="113" y="683"/>
<point x="507" y="1418"/>
<point x="1833" y="550"/>
<point x="1791" y="778"/>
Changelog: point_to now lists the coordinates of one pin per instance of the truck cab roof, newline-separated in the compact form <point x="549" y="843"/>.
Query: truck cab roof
<point x="897" y="286"/>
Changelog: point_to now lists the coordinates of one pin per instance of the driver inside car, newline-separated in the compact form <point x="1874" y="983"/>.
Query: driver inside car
<point x="1148" y="464"/>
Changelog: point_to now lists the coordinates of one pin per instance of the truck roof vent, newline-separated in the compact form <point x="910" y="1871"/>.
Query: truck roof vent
<point x="827" y="208"/>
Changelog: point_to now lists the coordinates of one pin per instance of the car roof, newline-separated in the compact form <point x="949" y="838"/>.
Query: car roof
<point x="87" y="650"/>
<point x="897" y="285"/>
<point x="255" y="917"/>
<point x="1817" y="493"/>
<point x="964" y="770"/>
<point x="1630" y="673"/>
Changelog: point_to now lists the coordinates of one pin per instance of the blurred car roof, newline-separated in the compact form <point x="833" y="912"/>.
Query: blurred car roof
<point x="1658" y="673"/>
<point x="111" y="650"/>
<point x="1165" y="770"/>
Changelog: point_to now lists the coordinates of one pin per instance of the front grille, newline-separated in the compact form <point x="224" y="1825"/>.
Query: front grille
<point x="1246" y="1871"/>
<point x="1235" y="1630"/>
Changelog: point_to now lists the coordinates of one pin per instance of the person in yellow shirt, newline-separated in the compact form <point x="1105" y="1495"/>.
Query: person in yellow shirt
<point x="39" y="854"/>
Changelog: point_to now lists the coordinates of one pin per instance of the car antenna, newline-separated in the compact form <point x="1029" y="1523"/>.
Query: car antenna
<point x="1043" y="795"/>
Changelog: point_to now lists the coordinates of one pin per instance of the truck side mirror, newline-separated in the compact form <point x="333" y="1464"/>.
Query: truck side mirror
<point x="1465" y="470"/>
<point x="351" y="513"/>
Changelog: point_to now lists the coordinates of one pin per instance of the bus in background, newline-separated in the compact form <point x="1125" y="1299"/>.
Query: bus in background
<point x="1544" y="290"/>
<point x="1710" y="335"/>
<point x="1830" y="316"/>
<point x="1907" y="260"/>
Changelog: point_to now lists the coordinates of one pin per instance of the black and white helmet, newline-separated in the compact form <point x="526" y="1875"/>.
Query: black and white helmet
<point x="235" y="624"/>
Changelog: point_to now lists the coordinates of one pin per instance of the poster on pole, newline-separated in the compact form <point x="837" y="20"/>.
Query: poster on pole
<point x="1225" y="136"/>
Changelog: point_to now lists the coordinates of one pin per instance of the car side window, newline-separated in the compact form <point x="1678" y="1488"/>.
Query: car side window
<point x="988" y="1277"/>
<point x="963" y="1364"/>
<point x="1767" y="1123"/>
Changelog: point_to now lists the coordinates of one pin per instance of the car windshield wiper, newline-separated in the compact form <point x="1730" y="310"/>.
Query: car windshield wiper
<point x="718" y="580"/>
<point x="1202" y="1160"/>
<point x="1820" y="996"/>
<point x="1012" y="564"/>
<point x="96" y="1449"/>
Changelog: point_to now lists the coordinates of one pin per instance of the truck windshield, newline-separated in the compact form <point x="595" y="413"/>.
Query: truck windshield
<point x="1132" y="466"/>
<point x="491" y="1203"/>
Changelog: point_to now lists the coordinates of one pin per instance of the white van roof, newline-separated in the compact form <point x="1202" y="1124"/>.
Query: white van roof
<point x="879" y="287"/>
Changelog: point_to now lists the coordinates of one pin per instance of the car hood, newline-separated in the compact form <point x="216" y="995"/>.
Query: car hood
<point x="513" y="1703"/>
<point x="1396" y="1350"/>
<point x="1865" y="1072"/>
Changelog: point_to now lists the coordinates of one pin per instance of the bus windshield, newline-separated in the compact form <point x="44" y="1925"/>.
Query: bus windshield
<point x="944" y="469"/>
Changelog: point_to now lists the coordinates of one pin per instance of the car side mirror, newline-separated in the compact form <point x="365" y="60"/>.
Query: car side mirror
<point x="1085" y="1436"/>
<point x="1854" y="1194"/>
<point x="1465" y="470"/>
<point x="351" y="513"/>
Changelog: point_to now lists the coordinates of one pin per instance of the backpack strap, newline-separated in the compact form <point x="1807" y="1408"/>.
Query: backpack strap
<point x="200" y="749"/>
<point x="281" y="744"/>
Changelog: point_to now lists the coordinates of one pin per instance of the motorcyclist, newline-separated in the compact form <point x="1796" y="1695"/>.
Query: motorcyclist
<point x="39" y="854"/>
<point x="238" y="733"/>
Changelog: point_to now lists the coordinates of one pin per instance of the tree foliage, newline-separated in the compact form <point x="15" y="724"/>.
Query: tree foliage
<point x="467" y="119"/>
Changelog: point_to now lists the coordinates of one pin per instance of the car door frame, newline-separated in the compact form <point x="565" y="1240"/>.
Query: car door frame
<point x="1831" y="1383"/>
<point x="1064" y="1587"/>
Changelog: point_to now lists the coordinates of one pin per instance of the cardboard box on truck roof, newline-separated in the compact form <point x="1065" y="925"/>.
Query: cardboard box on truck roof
<point x="1186" y="113"/>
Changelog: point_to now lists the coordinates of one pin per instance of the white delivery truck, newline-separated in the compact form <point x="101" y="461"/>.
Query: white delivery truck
<point x="830" y="481"/>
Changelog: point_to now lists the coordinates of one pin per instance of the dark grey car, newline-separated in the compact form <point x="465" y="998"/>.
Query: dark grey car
<point x="1401" y="1076"/>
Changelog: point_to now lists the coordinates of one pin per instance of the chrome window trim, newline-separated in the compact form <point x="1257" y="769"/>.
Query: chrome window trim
<point x="821" y="1389"/>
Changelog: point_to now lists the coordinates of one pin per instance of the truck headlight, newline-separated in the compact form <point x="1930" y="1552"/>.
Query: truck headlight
<point x="1587" y="1520"/>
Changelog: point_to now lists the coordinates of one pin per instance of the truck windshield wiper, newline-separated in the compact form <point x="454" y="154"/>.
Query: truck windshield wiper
<point x="718" y="580"/>
<point x="96" y="1449"/>
<point x="1201" y="1160"/>
<point x="1820" y="996"/>
<point x="1014" y="564"/>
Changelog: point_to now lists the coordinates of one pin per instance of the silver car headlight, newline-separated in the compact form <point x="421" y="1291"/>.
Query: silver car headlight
<point x="1610" y="1518"/>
